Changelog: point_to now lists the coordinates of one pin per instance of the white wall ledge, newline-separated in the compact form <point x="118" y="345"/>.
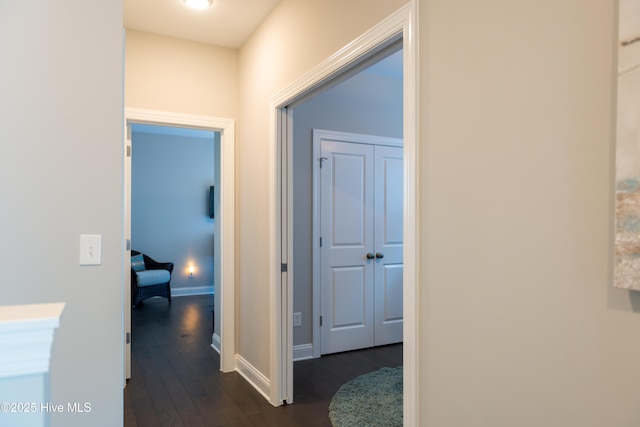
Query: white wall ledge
<point x="26" y="338"/>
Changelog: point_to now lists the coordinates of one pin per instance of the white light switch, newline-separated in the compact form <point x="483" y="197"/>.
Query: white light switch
<point x="90" y="249"/>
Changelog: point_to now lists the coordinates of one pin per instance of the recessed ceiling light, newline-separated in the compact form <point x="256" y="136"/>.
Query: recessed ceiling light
<point x="198" y="4"/>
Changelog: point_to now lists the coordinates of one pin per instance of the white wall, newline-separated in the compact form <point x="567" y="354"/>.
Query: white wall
<point x="171" y="175"/>
<point x="168" y="74"/>
<point x="365" y="103"/>
<point x="61" y="171"/>
<point x="521" y="325"/>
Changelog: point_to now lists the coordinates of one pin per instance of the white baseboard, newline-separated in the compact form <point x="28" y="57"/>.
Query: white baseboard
<point x="302" y="352"/>
<point x="193" y="290"/>
<point x="253" y="377"/>
<point x="215" y="342"/>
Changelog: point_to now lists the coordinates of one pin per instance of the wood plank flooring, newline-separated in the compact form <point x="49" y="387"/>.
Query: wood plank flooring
<point x="176" y="379"/>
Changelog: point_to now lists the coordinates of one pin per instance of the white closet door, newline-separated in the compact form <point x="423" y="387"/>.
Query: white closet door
<point x="347" y="229"/>
<point x="361" y="266"/>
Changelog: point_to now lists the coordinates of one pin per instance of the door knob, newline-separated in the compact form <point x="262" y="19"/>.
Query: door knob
<point x="370" y="256"/>
<point x="379" y="255"/>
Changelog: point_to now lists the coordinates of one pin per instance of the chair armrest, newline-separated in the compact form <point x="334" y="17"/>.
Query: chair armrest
<point x="151" y="264"/>
<point x="166" y="266"/>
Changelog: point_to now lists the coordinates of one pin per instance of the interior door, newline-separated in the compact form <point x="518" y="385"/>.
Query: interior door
<point x="346" y="217"/>
<point x="388" y="275"/>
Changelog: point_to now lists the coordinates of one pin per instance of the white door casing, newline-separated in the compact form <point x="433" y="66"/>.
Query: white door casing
<point x="127" y="253"/>
<point x="359" y="218"/>
<point x="401" y="25"/>
<point x="227" y="216"/>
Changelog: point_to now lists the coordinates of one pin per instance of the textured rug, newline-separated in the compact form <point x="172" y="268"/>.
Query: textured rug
<point x="371" y="400"/>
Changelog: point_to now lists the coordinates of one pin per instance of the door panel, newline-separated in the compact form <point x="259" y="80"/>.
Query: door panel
<point x="348" y="297"/>
<point x="388" y="315"/>
<point x="349" y="199"/>
<point x="347" y="218"/>
<point x="392" y="293"/>
<point x="389" y="198"/>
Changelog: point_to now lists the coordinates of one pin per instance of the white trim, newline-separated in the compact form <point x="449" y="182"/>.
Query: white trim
<point x="320" y="135"/>
<point x="215" y="342"/>
<point x="26" y="338"/>
<point x="275" y="274"/>
<point x="412" y="407"/>
<point x="253" y="376"/>
<point x="380" y="35"/>
<point x="191" y="290"/>
<point x="401" y="24"/>
<point x="303" y="352"/>
<point x="227" y="215"/>
<point x="126" y="251"/>
<point x="357" y="138"/>
<point x="139" y="115"/>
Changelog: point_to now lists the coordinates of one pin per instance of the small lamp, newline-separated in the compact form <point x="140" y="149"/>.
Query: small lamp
<point x="191" y="271"/>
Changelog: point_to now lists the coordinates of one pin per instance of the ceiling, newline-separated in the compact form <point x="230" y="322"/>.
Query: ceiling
<point x="227" y="23"/>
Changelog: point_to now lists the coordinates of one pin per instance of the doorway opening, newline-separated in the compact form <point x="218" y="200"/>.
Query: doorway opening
<point x="224" y="241"/>
<point x="364" y="109"/>
<point x="347" y="210"/>
<point x="398" y="28"/>
<point x="173" y="170"/>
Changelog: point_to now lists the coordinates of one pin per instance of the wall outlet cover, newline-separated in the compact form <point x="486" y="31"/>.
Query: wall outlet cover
<point x="297" y="319"/>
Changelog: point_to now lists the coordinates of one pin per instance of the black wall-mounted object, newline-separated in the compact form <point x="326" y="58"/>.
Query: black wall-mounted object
<point x="211" y="204"/>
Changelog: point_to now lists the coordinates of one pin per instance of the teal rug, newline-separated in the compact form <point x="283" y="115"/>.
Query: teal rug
<point x="371" y="400"/>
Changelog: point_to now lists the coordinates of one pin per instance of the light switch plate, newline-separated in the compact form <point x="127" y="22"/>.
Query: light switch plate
<point x="90" y="249"/>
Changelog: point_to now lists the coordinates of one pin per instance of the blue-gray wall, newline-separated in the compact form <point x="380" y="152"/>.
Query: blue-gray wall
<point x="170" y="179"/>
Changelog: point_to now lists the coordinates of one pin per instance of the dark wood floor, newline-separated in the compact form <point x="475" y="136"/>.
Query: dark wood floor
<point x="176" y="379"/>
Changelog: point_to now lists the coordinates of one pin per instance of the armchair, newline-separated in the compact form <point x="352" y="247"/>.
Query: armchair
<point x="149" y="278"/>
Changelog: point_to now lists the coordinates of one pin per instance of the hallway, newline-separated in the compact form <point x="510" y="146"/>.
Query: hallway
<point x="176" y="382"/>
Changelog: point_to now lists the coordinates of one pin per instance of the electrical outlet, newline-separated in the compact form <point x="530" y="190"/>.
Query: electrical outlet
<point x="297" y="319"/>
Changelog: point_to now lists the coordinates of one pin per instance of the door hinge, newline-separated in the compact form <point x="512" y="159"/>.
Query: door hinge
<point x="128" y="246"/>
<point x="128" y="151"/>
<point x="320" y="320"/>
<point x="283" y="268"/>
<point x="321" y="159"/>
<point x="127" y="338"/>
<point x="320" y="241"/>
